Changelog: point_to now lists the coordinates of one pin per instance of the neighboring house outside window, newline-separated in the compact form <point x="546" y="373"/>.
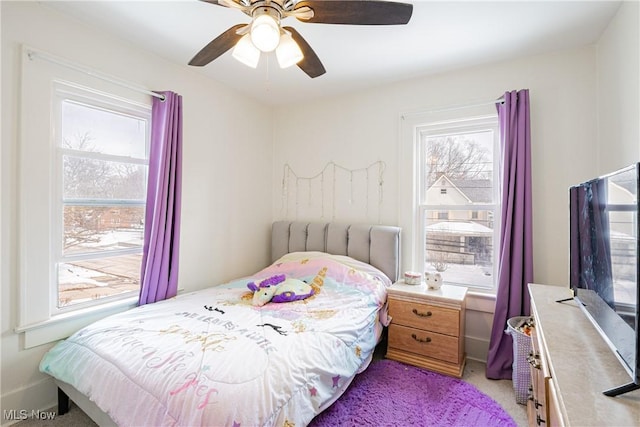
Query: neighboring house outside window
<point x="102" y="159"/>
<point x="458" y="201"/>
<point x="83" y="165"/>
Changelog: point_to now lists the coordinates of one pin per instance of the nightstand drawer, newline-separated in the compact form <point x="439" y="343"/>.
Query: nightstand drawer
<point x="425" y="316"/>
<point x="425" y="343"/>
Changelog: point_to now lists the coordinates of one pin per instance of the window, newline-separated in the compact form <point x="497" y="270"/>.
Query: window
<point x="99" y="197"/>
<point x="457" y="200"/>
<point x="82" y="187"/>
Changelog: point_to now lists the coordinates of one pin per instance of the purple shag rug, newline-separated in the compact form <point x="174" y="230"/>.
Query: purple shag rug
<point x="390" y="393"/>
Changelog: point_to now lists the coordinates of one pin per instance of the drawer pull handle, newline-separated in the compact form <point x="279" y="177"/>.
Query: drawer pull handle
<point x="424" y="340"/>
<point x="417" y="313"/>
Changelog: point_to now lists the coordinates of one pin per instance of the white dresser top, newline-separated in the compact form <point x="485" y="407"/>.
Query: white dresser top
<point x="581" y="363"/>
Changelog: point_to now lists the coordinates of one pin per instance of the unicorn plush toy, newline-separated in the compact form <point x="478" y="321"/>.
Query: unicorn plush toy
<point x="278" y="288"/>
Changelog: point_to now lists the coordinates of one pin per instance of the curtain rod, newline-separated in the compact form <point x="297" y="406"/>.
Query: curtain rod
<point x="452" y="108"/>
<point x="32" y="54"/>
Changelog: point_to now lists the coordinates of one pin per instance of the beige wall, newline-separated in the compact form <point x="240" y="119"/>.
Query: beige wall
<point x="223" y="234"/>
<point x="357" y="129"/>
<point x="577" y="131"/>
<point x="618" y="54"/>
<point x="364" y="127"/>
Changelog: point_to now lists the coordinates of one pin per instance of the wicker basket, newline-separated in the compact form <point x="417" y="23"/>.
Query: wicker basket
<point x="521" y="348"/>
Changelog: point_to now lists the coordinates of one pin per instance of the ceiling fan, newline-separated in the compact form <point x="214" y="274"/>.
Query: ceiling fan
<point x="266" y="34"/>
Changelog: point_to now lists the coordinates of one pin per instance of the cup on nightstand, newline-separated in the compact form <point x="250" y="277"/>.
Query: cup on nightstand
<point x="412" y="278"/>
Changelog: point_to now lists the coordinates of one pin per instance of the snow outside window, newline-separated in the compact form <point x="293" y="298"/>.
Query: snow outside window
<point x="83" y="163"/>
<point x="102" y="160"/>
<point x="457" y="201"/>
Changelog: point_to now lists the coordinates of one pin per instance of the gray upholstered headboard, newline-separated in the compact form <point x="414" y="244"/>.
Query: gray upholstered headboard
<point x="378" y="245"/>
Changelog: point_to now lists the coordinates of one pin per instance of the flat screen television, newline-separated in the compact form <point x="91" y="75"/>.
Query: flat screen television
<point x="604" y="262"/>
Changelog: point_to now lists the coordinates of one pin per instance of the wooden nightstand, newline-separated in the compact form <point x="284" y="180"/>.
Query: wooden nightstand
<point x="427" y="327"/>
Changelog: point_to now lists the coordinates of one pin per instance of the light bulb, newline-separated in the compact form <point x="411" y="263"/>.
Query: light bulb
<point x="246" y="52"/>
<point x="288" y="51"/>
<point x="265" y="32"/>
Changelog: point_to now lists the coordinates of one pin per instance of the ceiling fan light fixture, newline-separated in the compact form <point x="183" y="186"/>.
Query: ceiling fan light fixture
<point x="246" y="52"/>
<point x="288" y="51"/>
<point x="265" y="30"/>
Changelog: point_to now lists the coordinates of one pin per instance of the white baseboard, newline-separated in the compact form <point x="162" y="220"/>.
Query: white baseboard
<point x="39" y="396"/>
<point x="476" y="348"/>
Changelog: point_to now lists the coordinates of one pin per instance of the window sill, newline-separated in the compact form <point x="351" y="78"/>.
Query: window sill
<point x="64" y="325"/>
<point x="480" y="301"/>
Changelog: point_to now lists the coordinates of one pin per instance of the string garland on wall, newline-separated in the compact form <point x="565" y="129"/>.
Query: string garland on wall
<point x="335" y="191"/>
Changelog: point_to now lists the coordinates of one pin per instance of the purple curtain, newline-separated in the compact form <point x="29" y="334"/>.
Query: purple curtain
<point x="159" y="271"/>
<point x="515" y="269"/>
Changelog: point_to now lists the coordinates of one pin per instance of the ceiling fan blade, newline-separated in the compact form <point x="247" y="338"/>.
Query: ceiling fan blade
<point x="357" y="12"/>
<point x="217" y="46"/>
<point x="310" y="64"/>
<point x="227" y="3"/>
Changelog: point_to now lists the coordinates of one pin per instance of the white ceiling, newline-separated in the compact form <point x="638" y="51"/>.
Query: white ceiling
<point x="441" y="36"/>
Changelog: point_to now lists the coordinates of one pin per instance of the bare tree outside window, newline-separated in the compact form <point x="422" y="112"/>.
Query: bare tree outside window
<point x="90" y="179"/>
<point x="459" y="157"/>
<point x="458" y="206"/>
<point x="103" y="203"/>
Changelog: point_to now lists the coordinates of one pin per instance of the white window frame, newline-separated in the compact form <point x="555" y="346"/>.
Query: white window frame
<point x="463" y="126"/>
<point x="63" y="91"/>
<point x="410" y="212"/>
<point x="37" y="182"/>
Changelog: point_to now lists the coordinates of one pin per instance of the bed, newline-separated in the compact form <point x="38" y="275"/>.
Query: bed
<point x="211" y="357"/>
